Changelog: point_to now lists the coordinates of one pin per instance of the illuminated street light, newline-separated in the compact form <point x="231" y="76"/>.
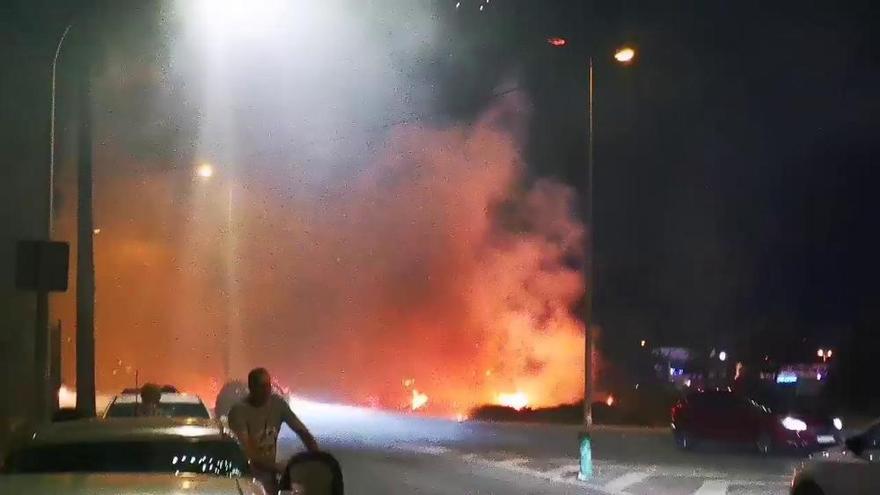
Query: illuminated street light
<point x="722" y="356"/>
<point x="557" y="41"/>
<point x="643" y="343"/>
<point x="585" y="471"/>
<point x="820" y="353"/>
<point x="205" y="171"/>
<point x="625" y="55"/>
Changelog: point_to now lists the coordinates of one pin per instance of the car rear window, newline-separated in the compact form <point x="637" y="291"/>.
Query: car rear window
<point x="172" y="410"/>
<point x="221" y="457"/>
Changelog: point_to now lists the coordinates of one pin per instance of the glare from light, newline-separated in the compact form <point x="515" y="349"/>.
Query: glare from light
<point x="557" y="41"/>
<point x="838" y="423"/>
<point x="625" y="55"/>
<point x="66" y="396"/>
<point x="722" y="356"/>
<point x="609" y="401"/>
<point x="793" y="424"/>
<point x="786" y="377"/>
<point x="516" y="400"/>
<point x="205" y="171"/>
<point x="419" y="400"/>
<point x="236" y="18"/>
<point x="820" y="353"/>
<point x="643" y="343"/>
<point x="687" y="383"/>
<point x="828" y="353"/>
<point x="96" y="231"/>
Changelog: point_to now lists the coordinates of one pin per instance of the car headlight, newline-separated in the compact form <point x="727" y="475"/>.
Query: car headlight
<point x="838" y="423"/>
<point x="793" y="424"/>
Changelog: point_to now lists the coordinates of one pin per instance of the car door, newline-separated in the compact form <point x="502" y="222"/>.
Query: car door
<point x="694" y="418"/>
<point x="729" y="417"/>
<point x="710" y="417"/>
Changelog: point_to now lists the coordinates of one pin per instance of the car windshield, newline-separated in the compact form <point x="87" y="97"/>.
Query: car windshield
<point x="215" y="457"/>
<point x="168" y="409"/>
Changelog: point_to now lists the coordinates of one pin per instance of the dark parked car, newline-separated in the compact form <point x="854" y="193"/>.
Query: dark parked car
<point x="725" y="417"/>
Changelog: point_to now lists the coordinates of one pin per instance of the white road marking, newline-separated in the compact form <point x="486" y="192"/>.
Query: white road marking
<point x="713" y="487"/>
<point x="422" y="449"/>
<point x="513" y="462"/>
<point x="619" y="484"/>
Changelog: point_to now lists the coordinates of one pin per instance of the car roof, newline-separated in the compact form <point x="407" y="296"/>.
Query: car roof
<point x="167" y="397"/>
<point x="123" y="429"/>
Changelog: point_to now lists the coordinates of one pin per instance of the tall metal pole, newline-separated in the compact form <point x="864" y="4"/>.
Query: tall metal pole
<point x="43" y="365"/>
<point x="51" y="199"/>
<point x="85" y="262"/>
<point x="586" y="452"/>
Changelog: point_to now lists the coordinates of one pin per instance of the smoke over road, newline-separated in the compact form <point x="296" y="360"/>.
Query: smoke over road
<point x="421" y="268"/>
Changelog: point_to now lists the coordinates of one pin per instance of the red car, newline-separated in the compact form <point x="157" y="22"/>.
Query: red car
<point x="725" y="417"/>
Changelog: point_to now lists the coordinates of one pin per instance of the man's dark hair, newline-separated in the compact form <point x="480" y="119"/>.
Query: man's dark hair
<point x="254" y="376"/>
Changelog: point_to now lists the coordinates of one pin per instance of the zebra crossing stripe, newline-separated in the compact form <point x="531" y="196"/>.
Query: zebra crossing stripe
<point x="713" y="487"/>
<point x="621" y="483"/>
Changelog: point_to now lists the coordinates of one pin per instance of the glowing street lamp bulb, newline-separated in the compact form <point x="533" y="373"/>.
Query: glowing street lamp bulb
<point x="722" y="356"/>
<point x="205" y="171"/>
<point x="820" y="353"/>
<point x="625" y="55"/>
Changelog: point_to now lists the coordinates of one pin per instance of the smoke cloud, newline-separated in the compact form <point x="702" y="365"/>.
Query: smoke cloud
<point x="358" y="265"/>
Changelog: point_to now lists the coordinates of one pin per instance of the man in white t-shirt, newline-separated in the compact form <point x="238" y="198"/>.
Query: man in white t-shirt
<point x="257" y="420"/>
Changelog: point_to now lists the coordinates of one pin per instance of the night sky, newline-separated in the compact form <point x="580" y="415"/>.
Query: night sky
<point x="735" y="176"/>
<point x="735" y="162"/>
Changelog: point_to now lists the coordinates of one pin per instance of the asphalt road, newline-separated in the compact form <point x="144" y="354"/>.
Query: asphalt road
<point x="393" y="454"/>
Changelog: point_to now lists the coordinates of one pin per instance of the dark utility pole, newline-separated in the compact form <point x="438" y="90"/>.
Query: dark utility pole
<point x="85" y="261"/>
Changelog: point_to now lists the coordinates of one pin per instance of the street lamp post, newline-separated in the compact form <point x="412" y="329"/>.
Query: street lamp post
<point x="624" y="55"/>
<point x="42" y="355"/>
<point x="230" y="355"/>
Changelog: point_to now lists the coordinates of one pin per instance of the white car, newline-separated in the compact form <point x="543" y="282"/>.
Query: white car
<point x="171" y="404"/>
<point x="853" y="469"/>
<point x="129" y="456"/>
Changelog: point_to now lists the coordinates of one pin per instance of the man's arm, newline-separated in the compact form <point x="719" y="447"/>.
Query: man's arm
<point x="298" y="427"/>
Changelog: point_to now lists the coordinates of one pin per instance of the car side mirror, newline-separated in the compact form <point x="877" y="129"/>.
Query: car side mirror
<point x="856" y="444"/>
<point x="312" y="473"/>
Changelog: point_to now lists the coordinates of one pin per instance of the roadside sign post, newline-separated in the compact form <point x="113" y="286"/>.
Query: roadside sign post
<point x="42" y="267"/>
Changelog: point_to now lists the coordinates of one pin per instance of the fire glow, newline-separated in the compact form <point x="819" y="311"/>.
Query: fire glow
<point x="516" y="400"/>
<point x="426" y="253"/>
<point x="419" y="400"/>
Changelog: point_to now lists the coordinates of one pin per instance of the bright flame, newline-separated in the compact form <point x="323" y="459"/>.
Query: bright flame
<point x="516" y="400"/>
<point x="419" y="400"/>
<point x="205" y="171"/>
<point x="625" y="55"/>
<point x="66" y="397"/>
